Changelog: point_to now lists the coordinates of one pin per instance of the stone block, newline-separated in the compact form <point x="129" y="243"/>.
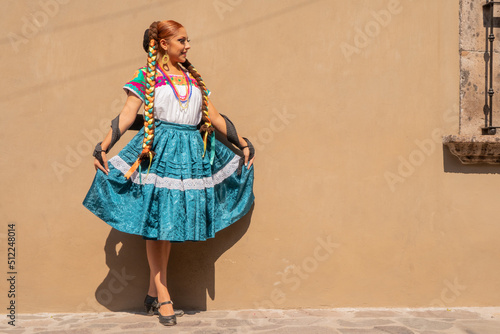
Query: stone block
<point x="141" y="325"/>
<point x="259" y="314"/>
<point x="364" y="322"/>
<point x="215" y="331"/>
<point x="212" y="314"/>
<point x="394" y="329"/>
<point x="376" y="314"/>
<point x="323" y="313"/>
<point x="232" y="322"/>
<point x="444" y="314"/>
<point x="483" y="327"/>
<point x="359" y="331"/>
<point x="424" y="324"/>
<point x="474" y="149"/>
<point x="304" y="321"/>
<point x="301" y="330"/>
<point x="473" y="97"/>
<point x="473" y="26"/>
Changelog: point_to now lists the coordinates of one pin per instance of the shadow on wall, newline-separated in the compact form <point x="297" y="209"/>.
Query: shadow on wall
<point x="191" y="269"/>
<point x="192" y="265"/>
<point x="452" y="164"/>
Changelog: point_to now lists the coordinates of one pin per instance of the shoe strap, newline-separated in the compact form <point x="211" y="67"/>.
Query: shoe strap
<point x="167" y="302"/>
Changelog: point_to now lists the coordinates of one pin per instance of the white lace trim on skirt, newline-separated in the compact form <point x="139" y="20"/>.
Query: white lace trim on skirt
<point x="178" y="184"/>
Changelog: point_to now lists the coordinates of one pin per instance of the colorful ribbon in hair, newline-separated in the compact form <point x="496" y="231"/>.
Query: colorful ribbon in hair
<point x="149" y="126"/>
<point x="207" y="127"/>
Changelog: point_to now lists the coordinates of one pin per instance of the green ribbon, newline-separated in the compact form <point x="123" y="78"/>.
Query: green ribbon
<point x="140" y="174"/>
<point x="212" y="148"/>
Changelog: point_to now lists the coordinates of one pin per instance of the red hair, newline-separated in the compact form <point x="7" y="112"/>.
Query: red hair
<point x="167" y="29"/>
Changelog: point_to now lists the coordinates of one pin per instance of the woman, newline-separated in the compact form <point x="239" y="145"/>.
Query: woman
<point x="169" y="183"/>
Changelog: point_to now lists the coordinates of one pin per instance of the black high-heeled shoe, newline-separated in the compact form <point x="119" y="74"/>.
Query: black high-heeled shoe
<point x="167" y="320"/>
<point x="151" y="304"/>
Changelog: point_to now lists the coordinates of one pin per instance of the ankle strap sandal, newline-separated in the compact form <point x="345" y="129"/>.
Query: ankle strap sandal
<point x="151" y="305"/>
<point x="167" y="320"/>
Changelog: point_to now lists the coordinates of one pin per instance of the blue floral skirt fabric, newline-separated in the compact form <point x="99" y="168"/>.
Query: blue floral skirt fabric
<point x="183" y="197"/>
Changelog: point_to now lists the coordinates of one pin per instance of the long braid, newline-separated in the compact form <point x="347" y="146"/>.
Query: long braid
<point x="206" y="128"/>
<point x="149" y="127"/>
<point x="149" y="120"/>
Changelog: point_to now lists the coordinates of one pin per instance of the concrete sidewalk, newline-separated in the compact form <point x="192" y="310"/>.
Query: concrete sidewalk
<point x="342" y="321"/>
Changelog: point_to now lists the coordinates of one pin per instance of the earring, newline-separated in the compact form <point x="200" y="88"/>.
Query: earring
<point x="164" y="60"/>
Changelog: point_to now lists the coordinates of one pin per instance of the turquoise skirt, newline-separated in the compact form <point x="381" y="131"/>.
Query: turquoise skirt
<point x="182" y="198"/>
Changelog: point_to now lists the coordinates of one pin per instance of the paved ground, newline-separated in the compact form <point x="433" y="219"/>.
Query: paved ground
<point x="342" y="321"/>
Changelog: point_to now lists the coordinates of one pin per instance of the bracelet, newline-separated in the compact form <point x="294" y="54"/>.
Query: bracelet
<point x="241" y="148"/>
<point x="250" y="147"/>
<point x="97" y="153"/>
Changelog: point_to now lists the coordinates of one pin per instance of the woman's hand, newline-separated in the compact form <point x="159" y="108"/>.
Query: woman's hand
<point x="97" y="164"/>
<point x="246" y="153"/>
<point x="127" y="117"/>
<point x="219" y="123"/>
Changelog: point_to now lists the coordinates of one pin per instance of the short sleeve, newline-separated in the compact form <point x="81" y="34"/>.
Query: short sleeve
<point x="137" y="85"/>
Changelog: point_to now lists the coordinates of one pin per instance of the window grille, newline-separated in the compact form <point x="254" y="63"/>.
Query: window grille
<point x="490" y="22"/>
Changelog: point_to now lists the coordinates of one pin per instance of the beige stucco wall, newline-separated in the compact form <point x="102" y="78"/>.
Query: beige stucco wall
<point x="357" y="202"/>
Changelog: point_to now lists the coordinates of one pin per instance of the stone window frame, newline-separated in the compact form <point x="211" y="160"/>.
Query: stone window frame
<point x="470" y="145"/>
